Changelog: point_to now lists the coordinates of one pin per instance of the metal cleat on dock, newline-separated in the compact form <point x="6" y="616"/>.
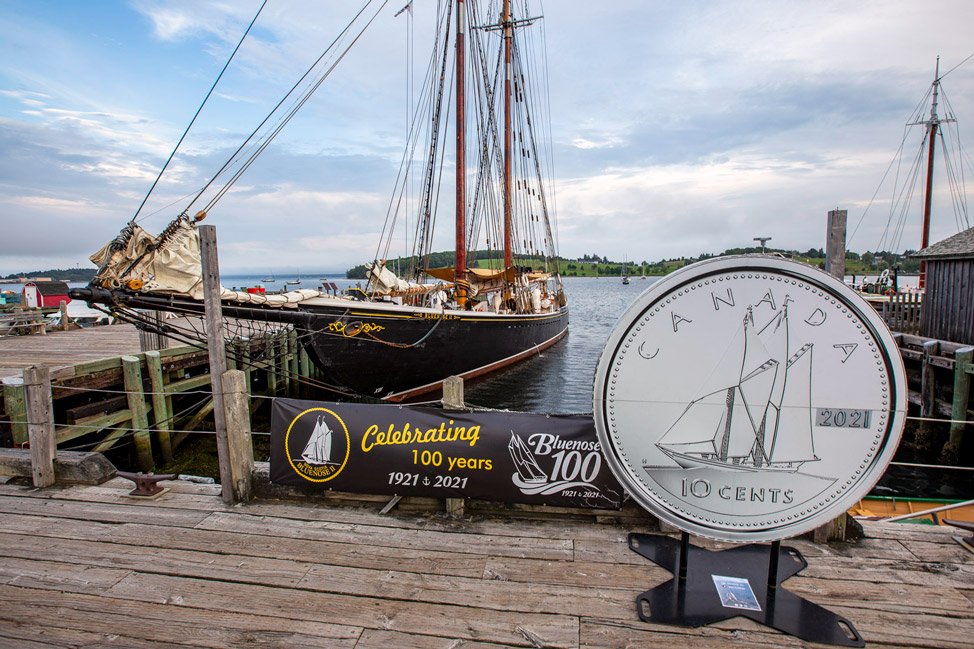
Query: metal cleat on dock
<point x="146" y="484"/>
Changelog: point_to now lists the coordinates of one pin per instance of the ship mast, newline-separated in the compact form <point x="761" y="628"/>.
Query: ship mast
<point x="460" y="272"/>
<point x="508" y="27"/>
<point x="932" y="126"/>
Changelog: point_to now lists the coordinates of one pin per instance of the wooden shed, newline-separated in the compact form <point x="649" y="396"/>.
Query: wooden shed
<point x="948" y="303"/>
<point x="41" y="294"/>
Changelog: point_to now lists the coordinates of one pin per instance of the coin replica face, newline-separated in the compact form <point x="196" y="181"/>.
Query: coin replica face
<point x="749" y="398"/>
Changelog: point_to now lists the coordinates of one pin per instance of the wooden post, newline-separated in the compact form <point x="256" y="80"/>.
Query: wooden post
<point x="132" y="376"/>
<point x="958" y="412"/>
<point x="294" y="378"/>
<point x="928" y="395"/>
<point x="270" y="356"/>
<point x="245" y="359"/>
<point x="236" y="401"/>
<point x="835" y="244"/>
<point x="213" y="312"/>
<point x="40" y="424"/>
<point x="304" y="369"/>
<point x="453" y="393"/>
<point x="160" y="407"/>
<point x="63" y="326"/>
<point x="453" y="400"/>
<point x="15" y="405"/>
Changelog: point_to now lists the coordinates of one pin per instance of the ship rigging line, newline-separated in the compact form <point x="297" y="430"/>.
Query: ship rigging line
<point x="198" y="110"/>
<point x="298" y="103"/>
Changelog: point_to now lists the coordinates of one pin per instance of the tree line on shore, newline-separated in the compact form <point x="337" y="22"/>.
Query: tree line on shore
<point x="866" y="263"/>
<point x="56" y="274"/>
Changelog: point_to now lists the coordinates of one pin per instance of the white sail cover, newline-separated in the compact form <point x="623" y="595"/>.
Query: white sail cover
<point x="385" y="282"/>
<point x="174" y="267"/>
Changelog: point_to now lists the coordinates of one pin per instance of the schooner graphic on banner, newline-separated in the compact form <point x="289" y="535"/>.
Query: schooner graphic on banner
<point x="318" y="448"/>
<point x="759" y="415"/>
<point x="529" y="472"/>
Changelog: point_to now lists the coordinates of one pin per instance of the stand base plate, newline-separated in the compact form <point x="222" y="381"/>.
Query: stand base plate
<point x="697" y="600"/>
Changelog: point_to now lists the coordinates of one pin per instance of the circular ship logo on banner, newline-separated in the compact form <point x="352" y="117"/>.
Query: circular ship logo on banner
<point x="749" y="398"/>
<point x="317" y="444"/>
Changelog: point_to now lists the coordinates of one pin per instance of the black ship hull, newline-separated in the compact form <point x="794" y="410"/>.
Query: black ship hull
<point x="396" y="353"/>
<point x="380" y="349"/>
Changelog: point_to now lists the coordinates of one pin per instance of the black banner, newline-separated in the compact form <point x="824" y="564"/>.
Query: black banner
<point x="406" y="451"/>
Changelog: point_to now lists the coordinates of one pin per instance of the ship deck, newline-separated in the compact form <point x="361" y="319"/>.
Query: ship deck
<point x="88" y="566"/>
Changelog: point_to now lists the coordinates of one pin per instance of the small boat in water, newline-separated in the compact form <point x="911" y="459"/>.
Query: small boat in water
<point x="402" y="336"/>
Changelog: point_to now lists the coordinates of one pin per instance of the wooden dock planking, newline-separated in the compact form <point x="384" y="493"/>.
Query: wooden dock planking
<point x="86" y="566"/>
<point x="64" y="348"/>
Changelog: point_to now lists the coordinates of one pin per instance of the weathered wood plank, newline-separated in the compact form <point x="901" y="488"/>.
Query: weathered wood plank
<point x="936" y="552"/>
<point x="552" y="549"/>
<point x="451" y="621"/>
<point x="72" y="618"/>
<point x="376" y="639"/>
<point x="100" y="512"/>
<point x="323" y="553"/>
<point x="478" y="593"/>
<point x="52" y="575"/>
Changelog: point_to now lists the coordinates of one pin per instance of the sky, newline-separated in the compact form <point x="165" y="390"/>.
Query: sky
<point x="678" y="128"/>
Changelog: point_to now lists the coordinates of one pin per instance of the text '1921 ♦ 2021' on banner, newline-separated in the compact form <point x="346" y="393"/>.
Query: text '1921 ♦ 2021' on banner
<point x="407" y="451"/>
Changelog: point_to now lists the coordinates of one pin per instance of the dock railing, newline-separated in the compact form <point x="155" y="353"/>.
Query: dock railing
<point x="902" y="313"/>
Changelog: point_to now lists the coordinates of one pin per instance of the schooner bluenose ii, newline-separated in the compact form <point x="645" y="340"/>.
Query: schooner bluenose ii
<point x="402" y="336"/>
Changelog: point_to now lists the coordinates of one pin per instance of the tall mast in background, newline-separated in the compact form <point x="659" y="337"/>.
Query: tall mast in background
<point x="932" y="126"/>
<point x="460" y="266"/>
<point x="508" y="27"/>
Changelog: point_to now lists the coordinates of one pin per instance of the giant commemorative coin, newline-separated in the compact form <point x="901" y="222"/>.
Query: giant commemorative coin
<point x="749" y="398"/>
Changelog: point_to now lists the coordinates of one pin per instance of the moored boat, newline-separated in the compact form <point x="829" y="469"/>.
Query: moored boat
<point x="402" y="336"/>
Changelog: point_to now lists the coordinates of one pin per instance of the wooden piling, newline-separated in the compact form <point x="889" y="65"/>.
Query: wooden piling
<point x="40" y="426"/>
<point x="15" y="405"/>
<point x="63" y="324"/>
<point x="160" y="408"/>
<point x="245" y="357"/>
<point x="453" y="400"/>
<point x="835" y="244"/>
<point x="132" y="378"/>
<point x="213" y="313"/>
<point x="963" y="367"/>
<point x="293" y="375"/>
<point x="236" y="402"/>
<point x="928" y="395"/>
<point x="304" y="369"/>
<point x="270" y="356"/>
<point x="453" y="393"/>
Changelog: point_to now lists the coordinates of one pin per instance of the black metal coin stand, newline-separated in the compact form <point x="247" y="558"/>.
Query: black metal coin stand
<point x="691" y="597"/>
